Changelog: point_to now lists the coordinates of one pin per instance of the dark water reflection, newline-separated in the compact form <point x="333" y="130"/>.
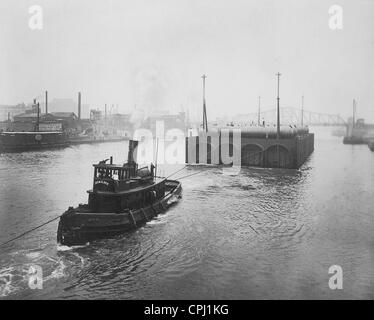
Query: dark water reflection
<point x="261" y="234"/>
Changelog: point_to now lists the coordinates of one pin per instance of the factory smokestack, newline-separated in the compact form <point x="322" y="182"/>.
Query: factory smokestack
<point x="46" y="102"/>
<point x="79" y="105"/>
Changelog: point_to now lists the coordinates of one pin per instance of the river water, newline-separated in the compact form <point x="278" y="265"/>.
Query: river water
<point x="263" y="234"/>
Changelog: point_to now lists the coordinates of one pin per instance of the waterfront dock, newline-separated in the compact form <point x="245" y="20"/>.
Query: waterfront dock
<point x="94" y="139"/>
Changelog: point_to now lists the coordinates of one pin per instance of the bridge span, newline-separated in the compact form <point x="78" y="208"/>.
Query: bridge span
<point x="291" y="116"/>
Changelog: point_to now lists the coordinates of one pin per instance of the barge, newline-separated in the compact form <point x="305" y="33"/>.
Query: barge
<point x="38" y="136"/>
<point x="255" y="146"/>
<point x="123" y="197"/>
<point x="34" y="140"/>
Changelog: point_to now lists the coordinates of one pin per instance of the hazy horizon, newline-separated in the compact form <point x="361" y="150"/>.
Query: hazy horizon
<point x="152" y="54"/>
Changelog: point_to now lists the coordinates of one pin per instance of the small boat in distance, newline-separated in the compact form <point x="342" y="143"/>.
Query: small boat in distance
<point x="339" y="132"/>
<point x="123" y="197"/>
<point x="371" y="144"/>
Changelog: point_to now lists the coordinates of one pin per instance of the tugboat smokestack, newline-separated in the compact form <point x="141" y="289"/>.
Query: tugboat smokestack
<point x="133" y="144"/>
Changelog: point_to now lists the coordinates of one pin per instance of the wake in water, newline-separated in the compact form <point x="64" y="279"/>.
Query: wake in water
<point x="17" y="276"/>
<point x="172" y="200"/>
<point x="6" y="277"/>
<point x="62" y="248"/>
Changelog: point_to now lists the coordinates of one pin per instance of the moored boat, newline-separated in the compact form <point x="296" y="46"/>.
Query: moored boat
<point x="123" y="197"/>
<point x="34" y="140"/>
<point x="371" y="144"/>
<point x="43" y="136"/>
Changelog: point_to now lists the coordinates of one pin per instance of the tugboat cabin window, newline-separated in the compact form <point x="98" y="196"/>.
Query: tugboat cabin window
<point x="109" y="173"/>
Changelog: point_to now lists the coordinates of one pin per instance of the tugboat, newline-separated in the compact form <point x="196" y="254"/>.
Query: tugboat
<point x="123" y="197"/>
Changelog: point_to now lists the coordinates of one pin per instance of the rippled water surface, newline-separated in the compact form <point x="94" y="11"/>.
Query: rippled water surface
<point x="261" y="234"/>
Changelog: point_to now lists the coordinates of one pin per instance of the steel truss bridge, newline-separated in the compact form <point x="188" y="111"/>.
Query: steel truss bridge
<point x="292" y="116"/>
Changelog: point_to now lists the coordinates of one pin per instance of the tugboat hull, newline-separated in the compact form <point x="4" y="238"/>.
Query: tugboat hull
<point x="79" y="226"/>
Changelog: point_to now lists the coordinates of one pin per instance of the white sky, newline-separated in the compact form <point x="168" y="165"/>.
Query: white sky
<point x="152" y="53"/>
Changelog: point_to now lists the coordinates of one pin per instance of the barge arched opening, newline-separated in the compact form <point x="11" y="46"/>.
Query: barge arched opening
<point x="252" y="155"/>
<point x="273" y="159"/>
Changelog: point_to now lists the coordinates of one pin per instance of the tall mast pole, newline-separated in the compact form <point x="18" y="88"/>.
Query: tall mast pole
<point x="278" y="120"/>
<point x="205" y="120"/>
<point x="278" y="112"/>
<point x="105" y="118"/>
<point x="259" y="111"/>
